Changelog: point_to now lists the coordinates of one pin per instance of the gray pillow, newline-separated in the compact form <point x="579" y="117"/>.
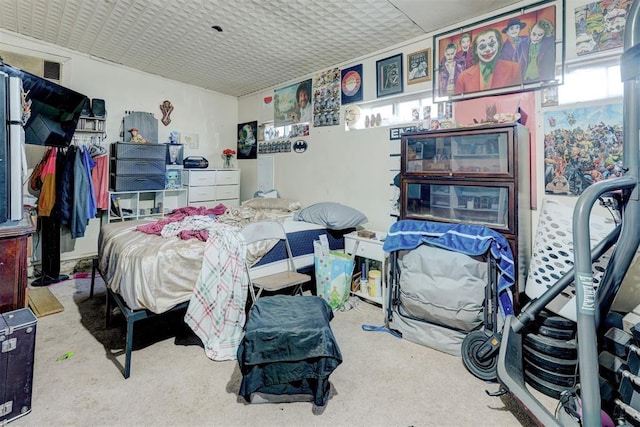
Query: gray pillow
<point x="334" y="216"/>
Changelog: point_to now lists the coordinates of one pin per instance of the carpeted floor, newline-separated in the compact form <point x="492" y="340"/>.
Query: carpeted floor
<point x="383" y="381"/>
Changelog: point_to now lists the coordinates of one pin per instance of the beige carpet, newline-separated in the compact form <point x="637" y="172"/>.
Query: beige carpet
<point x="383" y="381"/>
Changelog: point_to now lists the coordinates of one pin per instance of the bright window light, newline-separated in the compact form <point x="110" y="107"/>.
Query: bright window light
<point x="398" y="111"/>
<point x="588" y="84"/>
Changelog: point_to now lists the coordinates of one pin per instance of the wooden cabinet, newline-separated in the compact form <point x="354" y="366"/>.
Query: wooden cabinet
<point x="210" y="187"/>
<point x="14" y="251"/>
<point x="477" y="175"/>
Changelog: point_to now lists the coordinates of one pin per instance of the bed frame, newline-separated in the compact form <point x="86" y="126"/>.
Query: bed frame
<point x="130" y="316"/>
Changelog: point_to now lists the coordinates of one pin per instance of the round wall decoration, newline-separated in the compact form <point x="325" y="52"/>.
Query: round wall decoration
<point x="300" y="146"/>
<point x="351" y="83"/>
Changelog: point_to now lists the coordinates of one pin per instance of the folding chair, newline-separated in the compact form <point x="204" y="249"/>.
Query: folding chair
<point x="290" y="278"/>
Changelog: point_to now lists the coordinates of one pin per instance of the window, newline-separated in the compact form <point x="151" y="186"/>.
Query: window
<point x="591" y="83"/>
<point x="402" y="110"/>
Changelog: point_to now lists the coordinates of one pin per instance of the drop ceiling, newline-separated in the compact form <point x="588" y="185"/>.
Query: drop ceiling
<point x="263" y="43"/>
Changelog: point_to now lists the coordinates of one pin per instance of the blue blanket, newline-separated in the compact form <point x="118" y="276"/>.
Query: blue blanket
<point x="468" y="239"/>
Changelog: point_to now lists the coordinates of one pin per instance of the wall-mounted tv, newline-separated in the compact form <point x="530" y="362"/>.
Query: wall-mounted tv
<point x="55" y="109"/>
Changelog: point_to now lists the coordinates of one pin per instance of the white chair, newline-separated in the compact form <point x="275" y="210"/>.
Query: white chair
<point x="290" y="278"/>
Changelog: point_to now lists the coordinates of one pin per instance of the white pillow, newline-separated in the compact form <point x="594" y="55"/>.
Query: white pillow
<point x="332" y="215"/>
<point x="265" y="203"/>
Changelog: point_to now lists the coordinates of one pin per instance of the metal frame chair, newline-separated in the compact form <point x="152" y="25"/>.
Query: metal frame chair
<point x="270" y="230"/>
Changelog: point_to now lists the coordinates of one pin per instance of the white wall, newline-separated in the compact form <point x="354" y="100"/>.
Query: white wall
<point x="211" y="115"/>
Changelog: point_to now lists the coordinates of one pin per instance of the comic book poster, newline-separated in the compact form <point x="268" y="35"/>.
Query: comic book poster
<point x="600" y="25"/>
<point x="581" y="146"/>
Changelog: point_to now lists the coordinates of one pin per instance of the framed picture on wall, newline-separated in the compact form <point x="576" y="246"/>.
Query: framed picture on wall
<point x="600" y="26"/>
<point x="351" y="84"/>
<point x="515" y="51"/>
<point x="419" y="66"/>
<point x="247" y="140"/>
<point x="389" y="76"/>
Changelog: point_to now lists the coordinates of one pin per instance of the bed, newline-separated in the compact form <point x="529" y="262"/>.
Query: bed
<point x="136" y="267"/>
<point x="133" y="264"/>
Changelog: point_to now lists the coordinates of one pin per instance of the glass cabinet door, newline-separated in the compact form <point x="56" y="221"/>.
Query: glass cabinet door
<point x="459" y="154"/>
<point x="472" y="204"/>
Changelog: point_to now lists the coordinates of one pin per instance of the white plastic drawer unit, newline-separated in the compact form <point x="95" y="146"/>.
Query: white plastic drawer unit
<point x="227" y="192"/>
<point x="199" y="194"/>
<point x="367" y="248"/>
<point x="227" y="178"/>
<point x="200" y="178"/>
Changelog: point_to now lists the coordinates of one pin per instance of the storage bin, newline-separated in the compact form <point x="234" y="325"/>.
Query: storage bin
<point x="125" y="150"/>
<point x="136" y="182"/>
<point x="137" y="167"/>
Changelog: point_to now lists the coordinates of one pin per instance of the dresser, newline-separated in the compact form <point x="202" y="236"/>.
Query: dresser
<point x="210" y="187"/>
<point x="14" y="252"/>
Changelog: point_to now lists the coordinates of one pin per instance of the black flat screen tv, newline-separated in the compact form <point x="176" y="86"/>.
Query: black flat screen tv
<point x="55" y="109"/>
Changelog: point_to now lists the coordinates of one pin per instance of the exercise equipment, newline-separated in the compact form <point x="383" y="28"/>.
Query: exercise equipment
<point x="621" y="344"/>
<point x="591" y="305"/>
<point x="635" y="331"/>
<point x="629" y="393"/>
<point x="613" y="369"/>
<point x="557" y="333"/>
<point x="628" y="411"/>
<point x="550" y="363"/>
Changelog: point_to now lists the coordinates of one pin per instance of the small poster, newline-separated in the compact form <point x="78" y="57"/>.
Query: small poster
<point x="326" y="98"/>
<point x="292" y="104"/>
<point x="352" y="84"/>
<point x="247" y="140"/>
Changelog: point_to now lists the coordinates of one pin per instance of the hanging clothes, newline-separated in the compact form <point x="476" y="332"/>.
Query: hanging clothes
<point x="100" y="177"/>
<point x="88" y="163"/>
<point x="64" y="200"/>
<point x="47" y="198"/>
<point x="80" y="206"/>
<point x="35" y="180"/>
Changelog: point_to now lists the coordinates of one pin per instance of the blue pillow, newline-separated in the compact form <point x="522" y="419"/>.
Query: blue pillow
<point x="334" y="216"/>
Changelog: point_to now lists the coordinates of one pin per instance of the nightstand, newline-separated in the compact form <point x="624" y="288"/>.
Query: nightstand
<point x="367" y="250"/>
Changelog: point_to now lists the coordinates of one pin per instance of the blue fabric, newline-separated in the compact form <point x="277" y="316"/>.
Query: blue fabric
<point x="89" y="164"/>
<point x="468" y="239"/>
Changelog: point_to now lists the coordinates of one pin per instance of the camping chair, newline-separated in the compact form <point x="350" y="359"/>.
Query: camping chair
<point x="290" y="278"/>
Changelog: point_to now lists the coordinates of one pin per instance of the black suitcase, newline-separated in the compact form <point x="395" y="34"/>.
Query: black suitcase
<point x="18" y="338"/>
